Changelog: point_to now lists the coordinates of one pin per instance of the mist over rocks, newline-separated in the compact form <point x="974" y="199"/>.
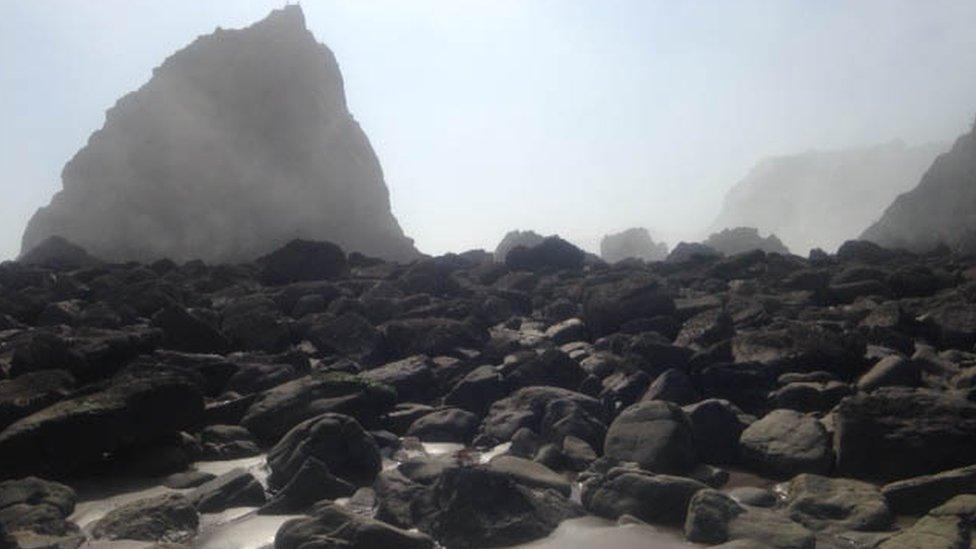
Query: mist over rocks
<point x="819" y="199"/>
<point x="633" y="243"/>
<point x="744" y="239"/>
<point x="941" y="209"/>
<point x="239" y="143"/>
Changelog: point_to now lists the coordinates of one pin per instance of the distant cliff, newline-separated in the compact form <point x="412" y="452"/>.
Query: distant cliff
<point x="238" y="143"/>
<point x="820" y="199"/>
<point x="940" y="210"/>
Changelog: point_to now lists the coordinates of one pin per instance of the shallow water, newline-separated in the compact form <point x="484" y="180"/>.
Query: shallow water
<point x="243" y="528"/>
<point x="247" y="531"/>
<point x="592" y="532"/>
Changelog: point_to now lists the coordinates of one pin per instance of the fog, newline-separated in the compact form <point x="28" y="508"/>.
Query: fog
<point x="581" y="118"/>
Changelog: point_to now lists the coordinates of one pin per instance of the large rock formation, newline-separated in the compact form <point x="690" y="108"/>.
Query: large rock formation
<point x="744" y="239"/>
<point x="940" y="210"/>
<point x="240" y="142"/>
<point x="793" y="195"/>
<point x="632" y="243"/>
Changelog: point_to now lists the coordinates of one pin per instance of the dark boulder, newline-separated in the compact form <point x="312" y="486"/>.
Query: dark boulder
<point x="528" y="408"/>
<point x="785" y="443"/>
<point x="236" y="488"/>
<point x="412" y="378"/>
<point x="75" y="434"/>
<point x="36" y="505"/>
<point x="472" y="506"/>
<point x="276" y="411"/>
<point x="28" y="393"/>
<point x="716" y="426"/>
<point x="336" y="440"/>
<point x="896" y="433"/>
<point x="552" y="253"/>
<point x="837" y="504"/>
<point x="448" y="425"/>
<point x="916" y="495"/>
<point x="608" y="306"/>
<point x="184" y="332"/>
<point x="329" y="525"/>
<point x="654" y="434"/>
<point x="657" y="499"/>
<point x="312" y="483"/>
<point x="165" y="518"/>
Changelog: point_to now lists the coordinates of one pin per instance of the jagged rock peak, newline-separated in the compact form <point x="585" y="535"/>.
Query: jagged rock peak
<point x="240" y="142"/>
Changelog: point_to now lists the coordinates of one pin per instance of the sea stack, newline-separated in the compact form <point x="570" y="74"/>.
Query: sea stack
<point x="239" y="143"/>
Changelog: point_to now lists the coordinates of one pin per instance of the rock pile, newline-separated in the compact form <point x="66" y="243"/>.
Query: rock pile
<point x="645" y="383"/>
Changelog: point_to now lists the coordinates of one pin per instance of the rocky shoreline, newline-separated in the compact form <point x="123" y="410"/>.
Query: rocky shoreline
<point x="565" y="389"/>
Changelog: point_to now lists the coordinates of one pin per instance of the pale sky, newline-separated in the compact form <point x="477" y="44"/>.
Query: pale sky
<point x="576" y="117"/>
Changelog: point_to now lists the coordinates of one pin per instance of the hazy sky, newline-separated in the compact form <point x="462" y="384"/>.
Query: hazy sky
<point x="571" y="116"/>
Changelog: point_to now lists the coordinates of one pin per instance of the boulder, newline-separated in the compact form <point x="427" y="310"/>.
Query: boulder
<point x="35" y="505"/>
<point x="276" y="411"/>
<point x="72" y="435"/>
<point x="607" y="306"/>
<point x="312" y="483"/>
<point x="336" y="440"/>
<point x="489" y="508"/>
<point x="31" y="392"/>
<point x="303" y="260"/>
<point x="552" y="253"/>
<point x="412" y="378"/>
<point x="527" y="408"/>
<point x="891" y="371"/>
<point x="530" y="473"/>
<point x="478" y="390"/>
<point x="809" y="396"/>
<point x="566" y="331"/>
<point x="706" y="329"/>
<point x="786" y="443"/>
<point x="236" y="488"/>
<point x="165" y="518"/>
<point x="552" y="368"/>
<point x="837" y="504"/>
<point x="657" y="499"/>
<point x="948" y="526"/>
<point x="917" y="495"/>
<point x="673" y="386"/>
<point x="716" y="426"/>
<point x="449" y="425"/>
<point x="896" y="433"/>
<point x="227" y="442"/>
<point x="714" y="518"/>
<point x="654" y="434"/>
<point x="514" y="239"/>
<point x="184" y="332"/>
<point x="332" y="525"/>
